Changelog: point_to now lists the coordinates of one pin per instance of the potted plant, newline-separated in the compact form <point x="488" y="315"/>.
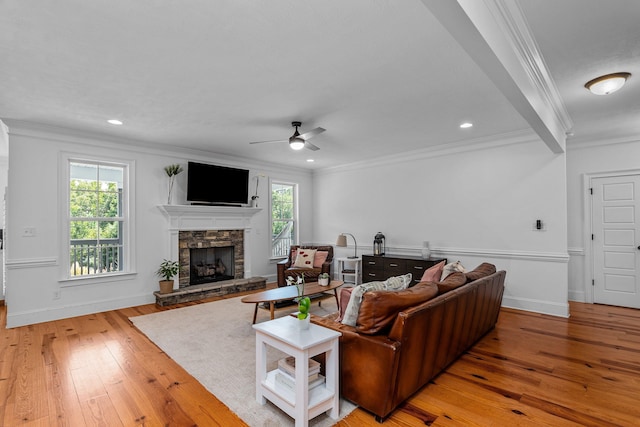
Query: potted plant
<point x="304" y="303"/>
<point x="168" y="270"/>
<point x="172" y="171"/>
<point x="323" y="279"/>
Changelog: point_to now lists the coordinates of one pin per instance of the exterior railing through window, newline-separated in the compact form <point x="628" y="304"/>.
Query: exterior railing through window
<point x="281" y="242"/>
<point x="88" y="257"/>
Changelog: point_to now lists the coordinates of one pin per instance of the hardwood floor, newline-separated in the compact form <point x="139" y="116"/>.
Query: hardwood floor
<point x="532" y="370"/>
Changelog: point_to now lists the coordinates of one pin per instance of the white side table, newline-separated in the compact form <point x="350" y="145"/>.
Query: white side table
<point x="349" y="270"/>
<point x="285" y="335"/>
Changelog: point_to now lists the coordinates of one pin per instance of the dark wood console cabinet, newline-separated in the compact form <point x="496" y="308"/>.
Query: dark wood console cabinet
<point x="382" y="267"/>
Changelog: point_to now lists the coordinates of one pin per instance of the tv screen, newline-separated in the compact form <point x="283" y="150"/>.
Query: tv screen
<point x="212" y="184"/>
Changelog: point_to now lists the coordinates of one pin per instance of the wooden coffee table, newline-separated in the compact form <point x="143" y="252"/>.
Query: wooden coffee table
<point x="289" y="293"/>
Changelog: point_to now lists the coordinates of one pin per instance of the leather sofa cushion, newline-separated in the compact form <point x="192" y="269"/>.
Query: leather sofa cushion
<point x="379" y="309"/>
<point x="452" y="281"/>
<point x="483" y="270"/>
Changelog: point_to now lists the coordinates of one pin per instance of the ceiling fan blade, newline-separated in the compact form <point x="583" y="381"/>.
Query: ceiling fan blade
<point x="312" y="132"/>
<point x="310" y="146"/>
<point x="269" y="142"/>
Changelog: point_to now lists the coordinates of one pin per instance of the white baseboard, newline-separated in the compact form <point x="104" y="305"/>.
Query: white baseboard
<point x="55" y="313"/>
<point x="536" y="306"/>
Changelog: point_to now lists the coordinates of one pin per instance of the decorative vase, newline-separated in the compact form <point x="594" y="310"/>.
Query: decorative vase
<point x="166" y="286"/>
<point x="171" y="179"/>
<point x="426" y="252"/>
<point x="303" y="324"/>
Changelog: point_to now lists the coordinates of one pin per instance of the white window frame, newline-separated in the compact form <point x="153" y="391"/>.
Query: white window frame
<point x="128" y="218"/>
<point x="295" y="216"/>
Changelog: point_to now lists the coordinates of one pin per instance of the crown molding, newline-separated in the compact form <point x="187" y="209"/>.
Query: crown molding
<point x="513" y="24"/>
<point x="440" y="150"/>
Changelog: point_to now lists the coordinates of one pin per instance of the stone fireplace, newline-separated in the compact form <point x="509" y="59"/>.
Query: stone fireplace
<point x="217" y="238"/>
<point x="210" y="256"/>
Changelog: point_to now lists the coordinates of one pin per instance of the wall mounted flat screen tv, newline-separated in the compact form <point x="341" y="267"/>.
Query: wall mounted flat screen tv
<point x="217" y="185"/>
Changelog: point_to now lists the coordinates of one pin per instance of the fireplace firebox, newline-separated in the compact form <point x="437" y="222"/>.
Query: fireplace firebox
<point x="211" y="264"/>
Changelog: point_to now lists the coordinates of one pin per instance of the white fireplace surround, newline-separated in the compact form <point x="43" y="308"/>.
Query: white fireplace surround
<point x="196" y="217"/>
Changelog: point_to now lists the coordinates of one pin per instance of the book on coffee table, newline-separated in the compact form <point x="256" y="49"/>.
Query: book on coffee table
<point x="288" y="365"/>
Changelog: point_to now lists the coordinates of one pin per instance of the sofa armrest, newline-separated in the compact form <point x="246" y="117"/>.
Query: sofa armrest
<point x="281" y="267"/>
<point x="326" y="267"/>
<point x="360" y="372"/>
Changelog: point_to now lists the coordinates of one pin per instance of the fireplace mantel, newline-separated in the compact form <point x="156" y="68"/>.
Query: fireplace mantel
<point x="197" y="217"/>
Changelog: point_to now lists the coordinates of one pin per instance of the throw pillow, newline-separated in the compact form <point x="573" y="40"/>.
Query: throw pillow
<point x="380" y="309"/>
<point x="320" y="258"/>
<point x="451" y="268"/>
<point x="353" y="307"/>
<point x="398" y="283"/>
<point x="452" y="281"/>
<point x="345" y="295"/>
<point x="433" y="273"/>
<point x="484" y="269"/>
<point x="305" y="258"/>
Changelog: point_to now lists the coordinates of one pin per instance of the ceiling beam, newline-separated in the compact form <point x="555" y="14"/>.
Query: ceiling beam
<point x="496" y="36"/>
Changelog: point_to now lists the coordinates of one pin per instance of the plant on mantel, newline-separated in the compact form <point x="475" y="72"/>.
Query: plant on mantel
<point x="172" y="171"/>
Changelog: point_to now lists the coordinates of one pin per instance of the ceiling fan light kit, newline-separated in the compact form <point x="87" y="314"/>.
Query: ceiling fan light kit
<point x="299" y="141"/>
<point x="607" y="84"/>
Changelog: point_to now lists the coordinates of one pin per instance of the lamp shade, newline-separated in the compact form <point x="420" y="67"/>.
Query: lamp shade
<point x="604" y="85"/>
<point x="342" y="242"/>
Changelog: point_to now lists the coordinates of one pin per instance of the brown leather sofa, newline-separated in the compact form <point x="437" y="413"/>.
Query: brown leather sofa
<point x="285" y="269"/>
<point x="403" y="339"/>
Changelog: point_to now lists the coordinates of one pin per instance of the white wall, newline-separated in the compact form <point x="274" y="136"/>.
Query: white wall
<point x="33" y="263"/>
<point x="584" y="161"/>
<point x="4" y="170"/>
<point x="474" y="204"/>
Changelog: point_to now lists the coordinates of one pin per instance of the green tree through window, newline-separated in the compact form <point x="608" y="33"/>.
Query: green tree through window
<point x="96" y="219"/>
<point x="283" y="218"/>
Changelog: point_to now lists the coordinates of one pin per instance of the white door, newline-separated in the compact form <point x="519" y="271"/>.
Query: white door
<point x="616" y="239"/>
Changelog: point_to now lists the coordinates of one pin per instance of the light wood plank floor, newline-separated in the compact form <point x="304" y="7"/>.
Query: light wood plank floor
<point x="532" y="370"/>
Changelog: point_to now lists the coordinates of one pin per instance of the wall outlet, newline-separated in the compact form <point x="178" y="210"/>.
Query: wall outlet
<point x="28" y="232"/>
<point x="56" y="294"/>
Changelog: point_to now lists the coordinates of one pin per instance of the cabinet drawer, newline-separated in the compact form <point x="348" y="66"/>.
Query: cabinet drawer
<point x="395" y="267"/>
<point x="370" y="275"/>
<point x="372" y="262"/>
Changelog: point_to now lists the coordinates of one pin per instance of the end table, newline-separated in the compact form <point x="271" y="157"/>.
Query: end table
<point x="285" y="335"/>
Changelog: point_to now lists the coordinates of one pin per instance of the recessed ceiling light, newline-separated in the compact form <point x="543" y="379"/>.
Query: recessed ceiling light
<point x="114" y="122"/>
<point x="466" y="125"/>
<point x="310" y="160"/>
<point x="604" y="85"/>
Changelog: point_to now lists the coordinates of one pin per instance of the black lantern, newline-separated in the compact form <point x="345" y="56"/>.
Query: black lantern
<point x="378" y="244"/>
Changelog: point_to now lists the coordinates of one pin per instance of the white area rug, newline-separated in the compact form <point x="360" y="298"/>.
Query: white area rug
<point x="216" y="344"/>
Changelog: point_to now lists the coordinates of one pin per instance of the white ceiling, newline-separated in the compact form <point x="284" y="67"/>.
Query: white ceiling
<point x="382" y="76"/>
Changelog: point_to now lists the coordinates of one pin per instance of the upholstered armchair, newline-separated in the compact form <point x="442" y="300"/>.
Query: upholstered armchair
<point x="288" y="268"/>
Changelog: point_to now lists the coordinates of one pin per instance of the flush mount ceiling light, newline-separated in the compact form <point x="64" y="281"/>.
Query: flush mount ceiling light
<point x="114" y="122"/>
<point x="604" y="85"/>
<point x="466" y="125"/>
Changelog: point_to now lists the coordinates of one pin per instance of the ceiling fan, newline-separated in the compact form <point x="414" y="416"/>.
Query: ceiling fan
<point x="298" y="141"/>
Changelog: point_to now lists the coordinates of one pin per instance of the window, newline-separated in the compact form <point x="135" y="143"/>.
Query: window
<point x="97" y="218"/>
<point x="284" y="212"/>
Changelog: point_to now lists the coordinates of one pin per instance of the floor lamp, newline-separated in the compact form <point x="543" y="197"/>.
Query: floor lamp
<point x="342" y="242"/>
